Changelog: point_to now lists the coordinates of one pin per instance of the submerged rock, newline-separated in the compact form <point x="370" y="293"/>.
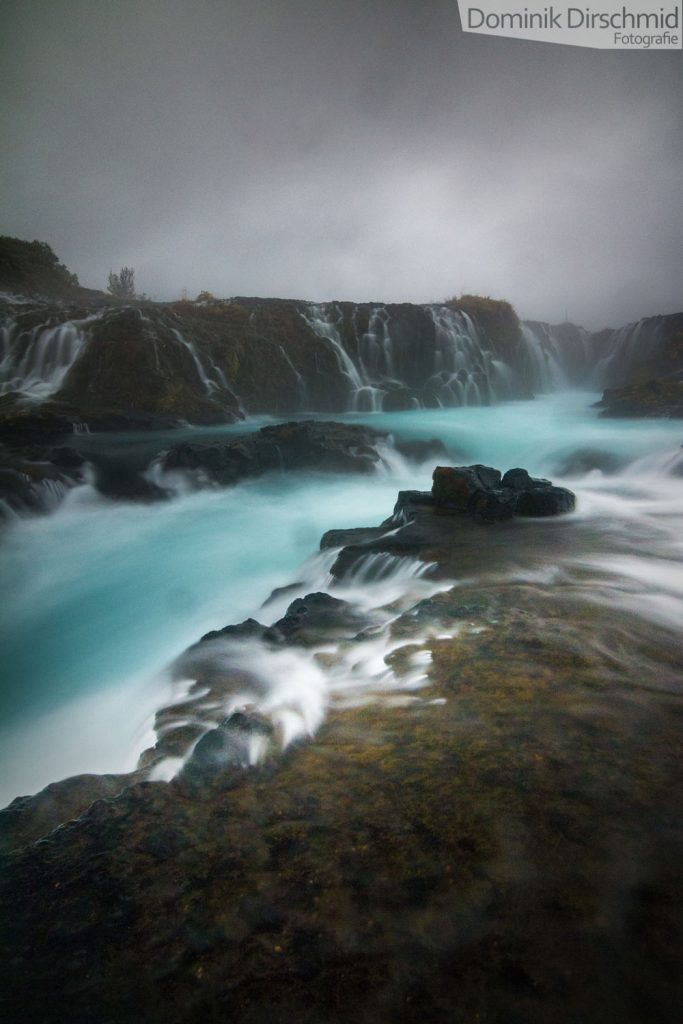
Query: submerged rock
<point x="586" y="459"/>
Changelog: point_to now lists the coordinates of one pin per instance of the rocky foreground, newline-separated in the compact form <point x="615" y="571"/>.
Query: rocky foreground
<point x="500" y="845"/>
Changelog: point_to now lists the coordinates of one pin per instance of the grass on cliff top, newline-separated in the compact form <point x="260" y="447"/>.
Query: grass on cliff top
<point x="496" y="316"/>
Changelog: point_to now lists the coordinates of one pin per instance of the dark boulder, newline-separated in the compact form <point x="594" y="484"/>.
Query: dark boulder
<point x="319" y="618"/>
<point x="475" y="490"/>
<point x="117" y="480"/>
<point x="405" y="505"/>
<point x="545" y="501"/>
<point x="519" y="480"/>
<point x="420" y="451"/>
<point x="481" y="492"/>
<point x="230" y="746"/>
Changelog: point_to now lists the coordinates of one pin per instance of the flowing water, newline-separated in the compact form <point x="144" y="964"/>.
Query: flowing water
<point x="100" y="597"/>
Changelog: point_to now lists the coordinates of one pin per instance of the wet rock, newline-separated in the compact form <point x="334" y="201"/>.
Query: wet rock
<point x="545" y="501"/>
<point x="657" y="397"/>
<point x="319" y="618"/>
<point x="67" y="457"/>
<point x="120" y="481"/>
<point x="305" y="445"/>
<point x="457" y="487"/>
<point x="250" y="629"/>
<point x="358" y="535"/>
<point x="405" y="506"/>
<point x="30" y="817"/>
<point x="586" y="459"/>
<point x="426" y="525"/>
<point x="30" y="483"/>
<point x="482" y="493"/>
<point x="399" y="400"/>
<point x="420" y="451"/>
<point x="236" y="744"/>
<point x="519" y="480"/>
<point x="16" y="492"/>
<point x="280" y="592"/>
<point x="475" y="490"/>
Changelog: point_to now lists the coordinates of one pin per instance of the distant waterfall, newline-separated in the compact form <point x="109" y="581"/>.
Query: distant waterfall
<point x="544" y="353"/>
<point x="35" y="361"/>
<point x="623" y="351"/>
<point x="451" y="362"/>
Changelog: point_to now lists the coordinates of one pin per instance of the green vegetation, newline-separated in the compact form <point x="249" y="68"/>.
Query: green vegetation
<point x="32" y="268"/>
<point x="497" y="317"/>
<point x="122" y="285"/>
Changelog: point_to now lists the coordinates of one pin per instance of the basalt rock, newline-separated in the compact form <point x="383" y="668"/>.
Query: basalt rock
<point x="306" y="445"/>
<point x="424" y="524"/>
<point x="319" y="618"/>
<point x="120" y="481"/>
<point x="486" y="495"/>
<point x="651" y="398"/>
<point x="356" y="535"/>
<point x="420" y="451"/>
<point x="226" y="751"/>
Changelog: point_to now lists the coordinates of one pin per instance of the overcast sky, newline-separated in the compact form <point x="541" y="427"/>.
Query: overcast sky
<point x="341" y="149"/>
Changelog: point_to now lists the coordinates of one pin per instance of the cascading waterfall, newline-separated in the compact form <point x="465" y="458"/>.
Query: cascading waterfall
<point x="210" y="376"/>
<point x="464" y="370"/>
<point x="544" y="354"/>
<point x="626" y="349"/>
<point x="390" y="358"/>
<point x="35" y="362"/>
<point x="325" y="323"/>
<point x="458" y="366"/>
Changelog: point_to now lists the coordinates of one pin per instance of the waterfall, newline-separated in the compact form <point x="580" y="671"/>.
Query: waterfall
<point x="544" y="353"/>
<point x="449" y="364"/>
<point x="35" y="361"/>
<point x="624" y="350"/>
<point x="463" y="371"/>
<point x="325" y="325"/>
<point x="210" y="376"/>
<point x="300" y="382"/>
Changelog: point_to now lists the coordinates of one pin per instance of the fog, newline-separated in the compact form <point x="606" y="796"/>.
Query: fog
<point x="322" y="150"/>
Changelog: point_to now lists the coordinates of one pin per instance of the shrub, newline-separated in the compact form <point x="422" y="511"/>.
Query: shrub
<point x="122" y="285"/>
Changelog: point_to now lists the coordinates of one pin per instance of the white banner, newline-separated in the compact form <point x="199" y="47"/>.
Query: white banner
<point x="604" y="25"/>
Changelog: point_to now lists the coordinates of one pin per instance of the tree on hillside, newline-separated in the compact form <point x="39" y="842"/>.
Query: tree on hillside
<point x="122" y="285"/>
<point x="33" y="268"/>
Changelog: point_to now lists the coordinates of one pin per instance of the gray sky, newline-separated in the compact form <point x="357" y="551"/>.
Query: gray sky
<point x="341" y="149"/>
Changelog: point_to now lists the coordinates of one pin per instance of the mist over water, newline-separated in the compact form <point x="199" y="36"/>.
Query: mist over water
<point x="102" y="596"/>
